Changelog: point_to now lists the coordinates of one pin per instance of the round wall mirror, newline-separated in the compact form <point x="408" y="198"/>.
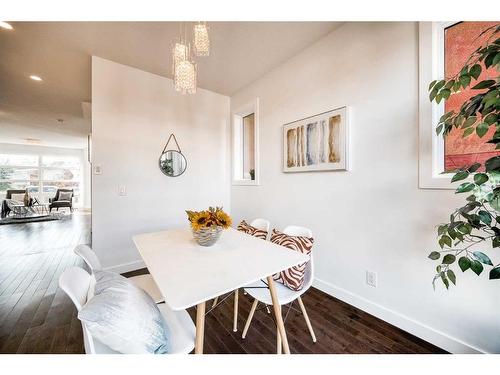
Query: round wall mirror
<point x="172" y="163"/>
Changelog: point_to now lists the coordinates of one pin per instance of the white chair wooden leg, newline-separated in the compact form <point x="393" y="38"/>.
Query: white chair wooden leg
<point x="216" y="299"/>
<point x="278" y="341"/>
<point x="250" y="317"/>
<point x="306" y="317"/>
<point x="235" y="311"/>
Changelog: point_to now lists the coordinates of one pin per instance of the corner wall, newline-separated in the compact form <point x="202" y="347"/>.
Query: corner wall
<point x="372" y="217"/>
<point x="133" y="114"/>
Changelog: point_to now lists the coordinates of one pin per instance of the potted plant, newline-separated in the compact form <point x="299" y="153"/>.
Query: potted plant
<point x="477" y="221"/>
<point x="207" y="225"/>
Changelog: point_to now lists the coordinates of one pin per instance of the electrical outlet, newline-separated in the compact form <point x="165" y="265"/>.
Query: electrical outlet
<point x="97" y="169"/>
<point x="371" y="278"/>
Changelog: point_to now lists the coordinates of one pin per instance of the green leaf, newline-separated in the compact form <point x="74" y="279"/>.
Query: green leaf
<point x="474" y="167"/>
<point x="439" y="84"/>
<point x="469" y="122"/>
<point x="442" y="229"/>
<point x="464" y="263"/>
<point x="445" y="280"/>
<point x="439" y="97"/>
<point x="438" y="129"/>
<point x="495" y="273"/>
<point x="465" y="187"/>
<point x="434" y="255"/>
<point x="431" y="85"/>
<point x="496" y="60"/>
<point x="475" y="70"/>
<point x="433" y="94"/>
<point x="485" y="217"/>
<point x="484" y="84"/>
<point x="490" y="119"/>
<point x="480" y="178"/>
<point x="496" y="241"/>
<point x="482" y="129"/>
<point x="492" y="164"/>
<point x="482" y="257"/>
<point x="451" y="276"/>
<point x="445" y="93"/>
<point x="464" y="80"/>
<point x="448" y="258"/>
<point x="476" y="267"/>
<point x="467" y="132"/>
<point x="460" y="176"/>
<point x="465" y="228"/>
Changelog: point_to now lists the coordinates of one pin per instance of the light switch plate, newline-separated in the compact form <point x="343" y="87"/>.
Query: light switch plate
<point x="97" y="169"/>
<point x="122" y="190"/>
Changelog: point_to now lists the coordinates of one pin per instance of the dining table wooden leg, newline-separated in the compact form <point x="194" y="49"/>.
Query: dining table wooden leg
<point x="277" y="314"/>
<point x="235" y="311"/>
<point x="200" y="328"/>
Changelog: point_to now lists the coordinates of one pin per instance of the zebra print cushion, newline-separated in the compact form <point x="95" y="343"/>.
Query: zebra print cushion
<point x="292" y="278"/>
<point x="248" y="229"/>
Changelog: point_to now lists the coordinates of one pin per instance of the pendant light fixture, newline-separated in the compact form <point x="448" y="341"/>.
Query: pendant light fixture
<point x="183" y="68"/>
<point x="201" y="41"/>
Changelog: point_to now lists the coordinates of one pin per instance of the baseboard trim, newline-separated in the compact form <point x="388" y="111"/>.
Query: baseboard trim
<point x="126" y="267"/>
<point x="407" y="324"/>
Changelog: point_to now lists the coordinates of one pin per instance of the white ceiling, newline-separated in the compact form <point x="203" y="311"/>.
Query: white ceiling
<point x="60" y="53"/>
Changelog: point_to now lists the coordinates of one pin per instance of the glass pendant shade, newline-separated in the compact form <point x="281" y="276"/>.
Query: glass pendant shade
<point x="180" y="51"/>
<point x="185" y="77"/>
<point x="201" y="41"/>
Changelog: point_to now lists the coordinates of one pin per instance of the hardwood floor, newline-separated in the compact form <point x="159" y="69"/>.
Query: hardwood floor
<point x="37" y="317"/>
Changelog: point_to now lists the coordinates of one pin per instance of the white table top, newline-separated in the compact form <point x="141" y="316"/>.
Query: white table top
<point x="187" y="273"/>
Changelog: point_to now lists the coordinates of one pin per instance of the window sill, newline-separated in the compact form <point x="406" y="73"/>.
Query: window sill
<point x="245" y="183"/>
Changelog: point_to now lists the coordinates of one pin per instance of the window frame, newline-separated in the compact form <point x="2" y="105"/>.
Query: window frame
<point x="431" y="146"/>
<point x="237" y="116"/>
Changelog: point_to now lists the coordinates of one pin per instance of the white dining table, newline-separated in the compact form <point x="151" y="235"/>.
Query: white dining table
<point x="188" y="274"/>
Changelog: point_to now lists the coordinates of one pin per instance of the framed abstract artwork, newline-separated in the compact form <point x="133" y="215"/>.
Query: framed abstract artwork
<point x="317" y="143"/>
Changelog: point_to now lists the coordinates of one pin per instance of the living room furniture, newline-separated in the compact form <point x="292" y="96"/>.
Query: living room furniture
<point x="285" y="295"/>
<point x="57" y="203"/>
<point x="5" y="210"/>
<point x="76" y="282"/>
<point x="189" y="274"/>
<point x="145" y="282"/>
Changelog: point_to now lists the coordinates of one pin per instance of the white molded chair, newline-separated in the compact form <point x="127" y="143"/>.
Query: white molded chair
<point x="144" y="282"/>
<point x="76" y="282"/>
<point x="260" y="293"/>
<point x="261" y="224"/>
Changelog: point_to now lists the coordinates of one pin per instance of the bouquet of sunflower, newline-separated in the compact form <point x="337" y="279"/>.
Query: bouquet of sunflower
<point x="213" y="217"/>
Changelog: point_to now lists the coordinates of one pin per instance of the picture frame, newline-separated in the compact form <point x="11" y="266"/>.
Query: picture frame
<point x="317" y="143"/>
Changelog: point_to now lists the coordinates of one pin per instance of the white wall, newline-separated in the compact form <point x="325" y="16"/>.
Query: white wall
<point x="133" y="114"/>
<point x="373" y="217"/>
<point x="45" y="150"/>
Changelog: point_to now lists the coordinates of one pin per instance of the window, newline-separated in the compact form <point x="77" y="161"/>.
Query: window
<point x="443" y="49"/>
<point x="41" y="175"/>
<point x="245" y="145"/>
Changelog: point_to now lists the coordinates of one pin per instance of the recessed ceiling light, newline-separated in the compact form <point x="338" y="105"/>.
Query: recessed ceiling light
<point x="35" y="78"/>
<point x="5" y="25"/>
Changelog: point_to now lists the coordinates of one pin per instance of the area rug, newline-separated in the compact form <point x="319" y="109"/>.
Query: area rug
<point x="32" y="219"/>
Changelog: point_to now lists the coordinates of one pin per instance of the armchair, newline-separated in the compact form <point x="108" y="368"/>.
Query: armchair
<point x="57" y="203"/>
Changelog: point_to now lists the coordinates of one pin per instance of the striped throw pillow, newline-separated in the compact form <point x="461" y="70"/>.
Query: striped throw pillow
<point x="292" y="278"/>
<point x="248" y="229"/>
